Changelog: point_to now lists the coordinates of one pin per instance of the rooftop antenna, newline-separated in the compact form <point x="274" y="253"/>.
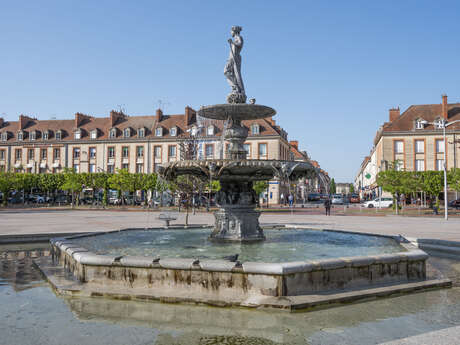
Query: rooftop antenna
<point x="121" y="108"/>
<point x="162" y="104"/>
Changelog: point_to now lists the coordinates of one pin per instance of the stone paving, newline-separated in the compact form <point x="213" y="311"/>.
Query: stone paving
<point x="16" y="222"/>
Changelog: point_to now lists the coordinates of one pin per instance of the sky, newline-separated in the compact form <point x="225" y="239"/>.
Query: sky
<point x="331" y="69"/>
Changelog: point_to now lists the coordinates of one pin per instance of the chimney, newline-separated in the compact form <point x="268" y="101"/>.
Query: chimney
<point x="115" y="117"/>
<point x="189" y="113"/>
<point x="80" y="119"/>
<point x="295" y="144"/>
<point x="394" y="114"/>
<point x="159" y="115"/>
<point x="23" y="121"/>
<point x="444" y="107"/>
<point x="2" y="121"/>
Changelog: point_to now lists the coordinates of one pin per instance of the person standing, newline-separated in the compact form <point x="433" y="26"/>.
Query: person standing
<point x="327" y="206"/>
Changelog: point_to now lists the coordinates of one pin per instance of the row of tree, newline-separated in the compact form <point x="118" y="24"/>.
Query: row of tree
<point x="408" y="182"/>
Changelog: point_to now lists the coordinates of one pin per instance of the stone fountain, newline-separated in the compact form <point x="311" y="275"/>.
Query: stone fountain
<point x="236" y="219"/>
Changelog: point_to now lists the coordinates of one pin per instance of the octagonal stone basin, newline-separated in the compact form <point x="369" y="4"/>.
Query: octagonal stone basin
<point x="181" y="265"/>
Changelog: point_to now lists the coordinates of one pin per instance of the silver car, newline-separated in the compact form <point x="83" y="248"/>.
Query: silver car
<point x="337" y="199"/>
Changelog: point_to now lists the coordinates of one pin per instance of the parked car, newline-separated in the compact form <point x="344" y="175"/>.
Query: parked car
<point x="379" y="202"/>
<point x="314" y="197"/>
<point x="354" y="198"/>
<point x="455" y="204"/>
<point x="113" y="200"/>
<point x="62" y="199"/>
<point x="337" y="199"/>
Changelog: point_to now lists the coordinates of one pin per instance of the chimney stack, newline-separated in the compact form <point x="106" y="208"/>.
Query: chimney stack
<point x="115" y="116"/>
<point x="295" y="144"/>
<point x="394" y="114"/>
<point x="444" y="107"/>
<point x="2" y="121"/>
<point x="189" y="113"/>
<point x="80" y="119"/>
<point x="159" y="115"/>
<point x="23" y="121"/>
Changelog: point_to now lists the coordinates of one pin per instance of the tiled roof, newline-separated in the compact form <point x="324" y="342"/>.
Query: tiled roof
<point x="267" y="127"/>
<point x="427" y="112"/>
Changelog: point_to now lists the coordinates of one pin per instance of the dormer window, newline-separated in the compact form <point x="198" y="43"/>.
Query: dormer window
<point x="439" y="123"/>
<point x="255" y="129"/>
<point x="173" y="131"/>
<point x="33" y="135"/>
<point x="4" y="136"/>
<point x="46" y="135"/>
<point x="113" y="133"/>
<point x="159" y="131"/>
<point x="59" y="135"/>
<point x="93" y="134"/>
<point x="141" y="132"/>
<point x="20" y="135"/>
<point x="210" y="130"/>
<point x="77" y="134"/>
<point x="127" y="132"/>
<point x="419" y="124"/>
<point x="194" y="131"/>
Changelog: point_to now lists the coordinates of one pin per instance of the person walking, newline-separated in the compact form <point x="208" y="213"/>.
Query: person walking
<point x="327" y="206"/>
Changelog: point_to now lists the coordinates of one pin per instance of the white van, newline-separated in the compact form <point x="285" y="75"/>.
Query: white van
<point x="379" y="202"/>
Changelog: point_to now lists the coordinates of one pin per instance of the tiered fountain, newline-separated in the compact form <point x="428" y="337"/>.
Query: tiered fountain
<point x="236" y="219"/>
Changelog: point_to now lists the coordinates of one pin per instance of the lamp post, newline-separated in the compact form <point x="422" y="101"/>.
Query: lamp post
<point x="443" y="124"/>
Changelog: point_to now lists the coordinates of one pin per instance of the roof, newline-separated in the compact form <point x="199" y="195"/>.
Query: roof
<point x="267" y="127"/>
<point x="427" y="112"/>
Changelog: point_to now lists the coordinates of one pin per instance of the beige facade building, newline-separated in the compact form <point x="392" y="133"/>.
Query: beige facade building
<point x="413" y="141"/>
<point x="136" y="143"/>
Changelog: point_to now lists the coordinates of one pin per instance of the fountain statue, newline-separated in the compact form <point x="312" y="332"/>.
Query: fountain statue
<point x="237" y="219"/>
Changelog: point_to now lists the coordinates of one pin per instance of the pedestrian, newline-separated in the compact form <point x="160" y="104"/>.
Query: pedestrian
<point x="291" y="200"/>
<point x="327" y="206"/>
<point x="282" y="199"/>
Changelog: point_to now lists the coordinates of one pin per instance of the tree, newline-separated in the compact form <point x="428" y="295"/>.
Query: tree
<point x="433" y="183"/>
<point x="396" y="182"/>
<point x="6" y="185"/>
<point x="352" y="188"/>
<point x="260" y="187"/>
<point x="332" y="186"/>
<point x="100" y="180"/>
<point x="453" y="179"/>
<point x="74" y="183"/>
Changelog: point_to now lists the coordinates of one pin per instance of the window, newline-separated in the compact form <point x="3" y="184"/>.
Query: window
<point x="125" y="151"/>
<point x="112" y="133"/>
<point x="399" y="146"/>
<point x="159" y="132"/>
<point x="2" y="155"/>
<point x="399" y="165"/>
<point x="111" y="152"/>
<point x="43" y="154"/>
<point x="31" y="154"/>
<point x="419" y="165"/>
<point x="210" y="130"/>
<point x="139" y="168"/>
<point x="172" y="151"/>
<point x="57" y="154"/>
<point x="77" y="134"/>
<point x="125" y="166"/>
<point x="140" y="151"/>
<point x="419" y="146"/>
<point x="439" y="123"/>
<point x="33" y="135"/>
<point x="157" y="152"/>
<point x="46" y="135"/>
<point x="110" y="168"/>
<point x="76" y="153"/>
<point x="247" y="148"/>
<point x="262" y="149"/>
<point x="76" y="168"/>
<point x="92" y="152"/>
<point x="173" y="131"/>
<point x="419" y="124"/>
<point x="127" y="133"/>
<point x="92" y="168"/>
<point x="5" y="136"/>
<point x="439" y="164"/>
<point x="93" y="134"/>
<point x="440" y="146"/>
<point x="194" y="130"/>
<point x="58" y="135"/>
<point x="141" y="133"/>
<point x="255" y="129"/>
<point x="20" y="136"/>
<point x="209" y="150"/>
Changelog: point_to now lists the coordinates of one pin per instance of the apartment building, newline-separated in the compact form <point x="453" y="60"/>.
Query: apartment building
<point x="136" y="143"/>
<point x="414" y="141"/>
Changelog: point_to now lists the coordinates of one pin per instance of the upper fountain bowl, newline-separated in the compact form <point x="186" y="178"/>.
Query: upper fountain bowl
<point x="237" y="111"/>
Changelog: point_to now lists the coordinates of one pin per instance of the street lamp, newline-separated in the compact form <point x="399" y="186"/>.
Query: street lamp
<point x="443" y="124"/>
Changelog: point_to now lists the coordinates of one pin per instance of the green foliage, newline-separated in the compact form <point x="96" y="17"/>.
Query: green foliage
<point x="6" y="185"/>
<point x="453" y="178"/>
<point x="352" y="188"/>
<point x="260" y="186"/>
<point x="433" y="182"/>
<point x="332" y="187"/>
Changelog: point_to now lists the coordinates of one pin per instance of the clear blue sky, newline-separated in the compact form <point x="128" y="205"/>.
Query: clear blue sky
<point x="331" y="69"/>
